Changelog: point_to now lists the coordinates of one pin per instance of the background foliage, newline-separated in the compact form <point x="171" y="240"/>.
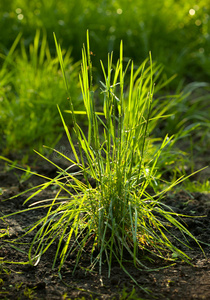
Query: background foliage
<point x="176" y="32"/>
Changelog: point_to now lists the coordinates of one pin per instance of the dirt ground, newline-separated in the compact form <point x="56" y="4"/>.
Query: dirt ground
<point x="23" y="281"/>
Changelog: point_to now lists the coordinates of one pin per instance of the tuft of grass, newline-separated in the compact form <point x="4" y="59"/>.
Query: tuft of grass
<point x="30" y="91"/>
<point x="196" y="186"/>
<point x="129" y="295"/>
<point x="112" y="207"/>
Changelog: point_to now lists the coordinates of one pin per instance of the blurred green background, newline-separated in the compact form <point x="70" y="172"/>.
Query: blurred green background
<point x="175" y="31"/>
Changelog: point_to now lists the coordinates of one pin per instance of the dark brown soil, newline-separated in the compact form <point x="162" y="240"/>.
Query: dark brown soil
<point x="23" y="281"/>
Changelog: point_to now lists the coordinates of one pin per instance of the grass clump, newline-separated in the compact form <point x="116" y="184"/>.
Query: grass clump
<point x="31" y="86"/>
<point x="112" y="207"/>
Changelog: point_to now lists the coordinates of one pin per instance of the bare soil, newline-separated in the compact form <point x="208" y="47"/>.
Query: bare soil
<point x="23" y="281"/>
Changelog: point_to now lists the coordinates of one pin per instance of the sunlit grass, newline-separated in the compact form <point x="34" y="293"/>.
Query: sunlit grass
<point x="31" y="87"/>
<point x="112" y="208"/>
<point x="196" y="186"/>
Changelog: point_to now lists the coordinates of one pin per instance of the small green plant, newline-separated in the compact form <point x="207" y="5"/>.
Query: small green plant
<point x="10" y="165"/>
<point x="25" y="175"/>
<point x="3" y="290"/>
<point x="126" y="295"/>
<point x="196" y="186"/>
<point x="18" y="286"/>
<point x="29" y="293"/>
<point x="4" y="232"/>
<point x="117" y="209"/>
